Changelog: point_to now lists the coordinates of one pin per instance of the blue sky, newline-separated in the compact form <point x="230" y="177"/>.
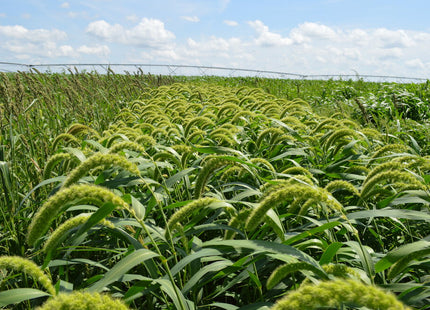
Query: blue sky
<point x="308" y="37"/>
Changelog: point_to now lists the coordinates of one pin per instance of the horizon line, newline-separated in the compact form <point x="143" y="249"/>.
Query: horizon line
<point x="176" y="66"/>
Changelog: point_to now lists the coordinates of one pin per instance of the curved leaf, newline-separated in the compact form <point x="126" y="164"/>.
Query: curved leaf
<point x="20" y="294"/>
<point x="121" y="268"/>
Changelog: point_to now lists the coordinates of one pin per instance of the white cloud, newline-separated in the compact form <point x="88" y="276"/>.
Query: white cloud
<point x="26" y="43"/>
<point x="98" y="50"/>
<point x="308" y="31"/>
<point x="215" y="50"/>
<point x="80" y="14"/>
<point x="231" y="23"/>
<point x="307" y="48"/>
<point x="66" y="50"/>
<point x="214" y="44"/>
<point x="193" y="19"/>
<point x="267" y="38"/>
<point x="2" y="14"/>
<point x="132" y="18"/>
<point x="415" y="63"/>
<point x="45" y="50"/>
<point x="148" y="33"/>
<point x="391" y="39"/>
<point x="36" y="35"/>
<point x="65" y="5"/>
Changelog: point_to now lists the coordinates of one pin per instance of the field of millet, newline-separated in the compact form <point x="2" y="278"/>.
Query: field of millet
<point x="150" y="192"/>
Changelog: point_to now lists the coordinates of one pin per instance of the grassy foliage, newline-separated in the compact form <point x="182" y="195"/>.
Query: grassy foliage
<point x="212" y="193"/>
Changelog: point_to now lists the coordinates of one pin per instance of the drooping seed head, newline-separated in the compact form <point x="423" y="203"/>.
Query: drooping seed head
<point x="338" y="293"/>
<point x="26" y="266"/>
<point x="65" y="197"/>
<point x="79" y="300"/>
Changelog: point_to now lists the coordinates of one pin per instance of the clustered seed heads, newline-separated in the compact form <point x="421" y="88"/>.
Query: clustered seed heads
<point x="288" y="193"/>
<point x="337" y="136"/>
<point x="165" y="128"/>
<point x="396" y="148"/>
<point x="58" y="234"/>
<point x="341" y="185"/>
<point x="338" y="293"/>
<point x="129" y="145"/>
<point x="68" y="138"/>
<point x="284" y="270"/>
<point x="395" y="176"/>
<point x="26" y="266"/>
<point x="56" y="203"/>
<point x="97" y="160"/>
<point x="52" y="161"/>
<point x="208" y="168"/>
<point x="79" y="300"/>
<point x="187" y="210"/>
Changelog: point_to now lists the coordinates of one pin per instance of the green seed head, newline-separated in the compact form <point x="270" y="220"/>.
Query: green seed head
<point x="26" y="266"/>
<point x="339" y="293"/>
<point x="83" y="301"/>
<point x="99" y="160"/>
<point x="61" y="231"/>
<point x="65" y="197"/>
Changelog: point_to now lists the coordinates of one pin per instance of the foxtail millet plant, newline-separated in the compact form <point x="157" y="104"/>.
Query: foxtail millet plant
<point x="80" y="300"/>
<point x="98" y="160"/>
<point x="339" y="293"/>
<point x="284" y="270"/>
<point x="54" y="160"/>
<point x="20" y="264"/>
<point x="288" y="193"/>
<point x="65" y="197"/>
<point x="61" y="232"/>
<point x="210" y="164"/>
<point x="187" y="210"/>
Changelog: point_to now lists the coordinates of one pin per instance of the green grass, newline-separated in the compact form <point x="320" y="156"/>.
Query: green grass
<point x="246" y="189"/>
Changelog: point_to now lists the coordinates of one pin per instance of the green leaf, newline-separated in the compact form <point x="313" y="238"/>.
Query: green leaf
<point x="255" y="279"/>
<point x="64" y="262"/>
<point x="100" y="179"/>
<point x="407" y="200"/>
<point x="290" y="152"/>
<point x="311" y="232"/>
<point x="20" y="294"/>
<point x="175" y="294"/>
<point x="257" y="306"/>
<point x="395" y="213"/>
<point x="139" y="209"/>
<point x="260" y="246"/>
<point x="272" y="219"/>
<point x="365" y="258"/>
<point x="43" y="183"/>
<point x="330" y="252"/>
<point x="200" y="275"/>
<point x="224" y="305"/>
<point x="96" y="217"/>
<point x="178" y="176"/>
<point x="403" y="255"/>
<point x="215" y="150"/>
<point x="97" y="145"/>
<point x="191" y="257"/>
<point x="124" y="265"/>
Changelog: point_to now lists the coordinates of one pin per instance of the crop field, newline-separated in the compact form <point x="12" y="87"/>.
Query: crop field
<point x="137" y="191"/>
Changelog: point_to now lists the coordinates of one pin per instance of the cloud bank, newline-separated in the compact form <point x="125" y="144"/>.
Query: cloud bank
<point x="307" y="48"/>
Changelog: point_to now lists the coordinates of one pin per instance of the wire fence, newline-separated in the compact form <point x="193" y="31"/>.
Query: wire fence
<point x="194" y="70"/>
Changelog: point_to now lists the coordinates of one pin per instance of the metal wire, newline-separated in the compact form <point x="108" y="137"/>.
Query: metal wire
<point x="202" y="71"/>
